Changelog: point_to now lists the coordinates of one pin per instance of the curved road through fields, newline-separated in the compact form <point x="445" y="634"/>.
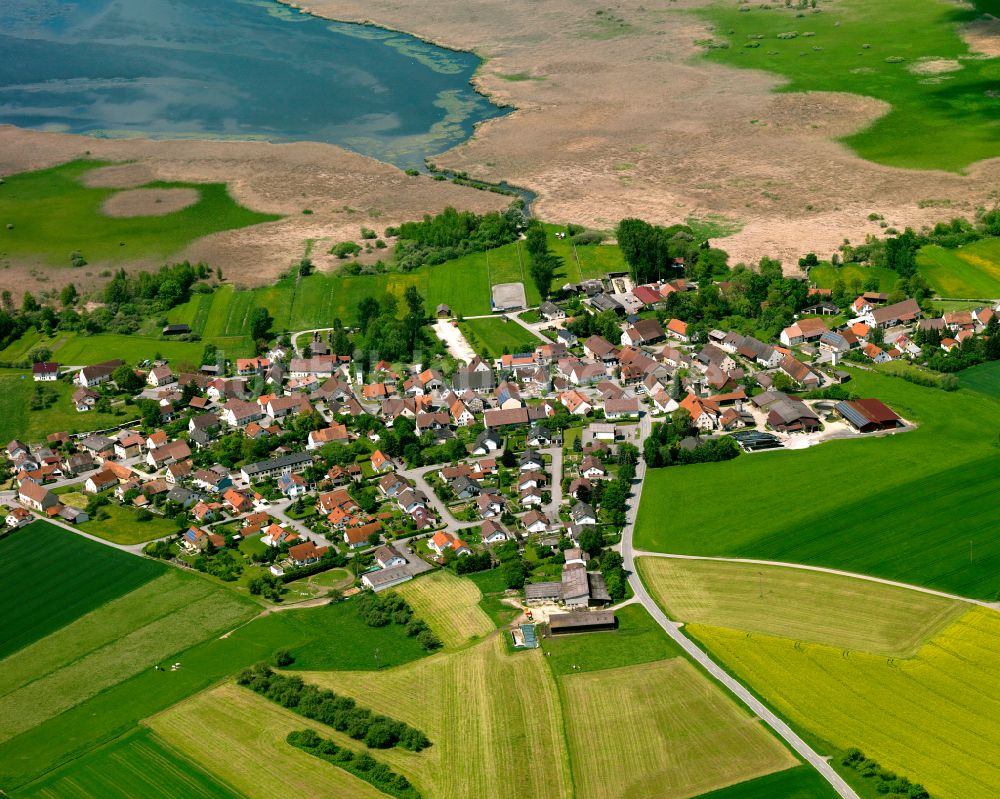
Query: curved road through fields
<point x="803" y="749"/>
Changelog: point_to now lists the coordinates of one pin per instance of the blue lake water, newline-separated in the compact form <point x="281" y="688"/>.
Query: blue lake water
<point x="237" y="69"/>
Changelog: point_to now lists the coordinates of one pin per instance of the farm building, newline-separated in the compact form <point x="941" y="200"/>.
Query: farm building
<point x="567" y="623"/>
<point x="386" y="578"/>
<point x="868" y="415"/>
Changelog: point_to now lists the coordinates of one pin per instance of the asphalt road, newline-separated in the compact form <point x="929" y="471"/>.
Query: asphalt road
<point x="803" y="749"/>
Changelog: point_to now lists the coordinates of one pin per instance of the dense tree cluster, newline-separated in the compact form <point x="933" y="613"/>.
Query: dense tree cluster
<point x="339" y="712"/>
<point x="542" y="262"/>
<point x="383" y="335"/>
<point x="360" y="764"/>
<point x="379" y="610"/>
<point x="665" y="253"/>
<point x="663" y="447"/>
<point x="451" y="234"/>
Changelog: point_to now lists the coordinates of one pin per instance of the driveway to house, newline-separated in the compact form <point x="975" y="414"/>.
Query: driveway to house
<point x="530" y="328"/>
<point x="460" y="349"/>
<point x="294" y="337"/>
<point x="417" y="477"/>
<point x="803" y="749"/>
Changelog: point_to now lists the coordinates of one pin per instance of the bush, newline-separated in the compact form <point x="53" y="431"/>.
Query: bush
<point x="587" y="238"/>
<point x="283" y="658"/>
<point x="345" y="249"/>
<point x="360" y="764"/>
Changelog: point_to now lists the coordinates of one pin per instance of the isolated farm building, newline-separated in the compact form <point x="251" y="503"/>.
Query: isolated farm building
<point x="442" y="310"/>
<point x="596" y="621"/>
<point x="868" y="415"/>
<point x="789" y="415"/>
<point x="44" y="372"/>
<point x="176" y="330"/>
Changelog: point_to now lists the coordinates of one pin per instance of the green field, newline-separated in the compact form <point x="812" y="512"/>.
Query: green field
<point x="54" y="214"/>
<point x="17" y="420"/>
<point x="687" y="737"/>
<point x="122" y="527"/>
<point x="938" y="120"/>
<point x="111" y="644"/>
<point x="934" y="718"/>
<point x="885" y="506"/>
<point x="138" y="766"/>
<point x="450" y="605"/>
<point x="801" y="782"/>
<point x="240" y="737"/>
<point x="777" y="600"/>
<point x="39" y="594"/>
<point x="638" y="639"/>
<point x="970" y="272"/>
<point x="984" y="378"/>
<point x="825" y="275"/>
<point x="494" y="336"/>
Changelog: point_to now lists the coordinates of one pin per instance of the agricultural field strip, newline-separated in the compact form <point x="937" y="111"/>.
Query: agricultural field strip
<point x="240" y="737"/>
<point x="800" y="602"/>
<point x="695" y="738"/>
<point x="450" y="605"/>
<point x="151" y="602"/>
<point x="477" y="705"/>
<point x="58" y="691"/>
<point x="882" y="705"/>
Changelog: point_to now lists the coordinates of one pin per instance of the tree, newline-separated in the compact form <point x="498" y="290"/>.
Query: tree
<point x="259" y="323"/>
<point x="68" y="295"/>
<point x="306" y="267"/>
<point x="127" y="380"/>
<point x="368" y="310"/>
<point x="28" y="303"/>
<point x="513" y="573"/>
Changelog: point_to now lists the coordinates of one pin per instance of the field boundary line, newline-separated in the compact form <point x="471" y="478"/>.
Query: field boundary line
<point x="825" y="570"/>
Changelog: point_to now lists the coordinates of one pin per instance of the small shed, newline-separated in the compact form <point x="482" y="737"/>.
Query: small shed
<point x="176" y="330"/>
<point x="443" y="310"/>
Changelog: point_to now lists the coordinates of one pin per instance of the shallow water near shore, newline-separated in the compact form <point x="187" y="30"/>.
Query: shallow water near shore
<point x="236" y="69"/>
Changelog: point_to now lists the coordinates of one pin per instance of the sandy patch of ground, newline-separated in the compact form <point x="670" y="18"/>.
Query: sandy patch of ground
<point x="448" y="332"/>
<point x="345" y="191"/>
<point x="934" y="66"/>
<point x="149" y="202"/>
<point x="118" y="176"/>
<point x="700" y="138"/>
<point x="983" y="36"/>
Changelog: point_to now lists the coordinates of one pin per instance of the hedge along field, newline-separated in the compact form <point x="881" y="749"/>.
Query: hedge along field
<point x="934" y="718"/>
<point x="794" y="603"/>
<point x="38" y="595"/>
<point x="919" y="507"/>
<point x="450" y="606"/>
<point x="53" y="214"/>
<point x="494" y="721"/>
<point x="688" y="737"/>
<point x="240" y="737"/>
<point x="972" y="271"/>
<point x="893" y="51"/>
<point x="138" y="766"/>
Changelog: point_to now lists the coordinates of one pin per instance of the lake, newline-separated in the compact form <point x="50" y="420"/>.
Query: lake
<point x="235" y="69"/>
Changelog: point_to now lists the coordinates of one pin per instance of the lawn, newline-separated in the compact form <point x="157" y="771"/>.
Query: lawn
<point x="945" y="121"/>
<point x="934" y="718"/>
<point x="801" y="782"/>
<point x="74" y="577"/>
<point x="496" y="715"/>
<point x="122" y="527"/>
<point x="240" y="737"/>
<point x="984" y="378"/>
<point x="138" y="766"/>
<point x="917" y="507"/>
<point x="686" y="736"/>
<point x="449" y="604"/>
<point x="775" y="600"/>
<point x="112" y="644"/>
<point x="18" y="420"/>
<point x="494" y="336"/>
<point x="638" y="639"/>
<point x="54" y="214"/>
<point x="970" y="272"/>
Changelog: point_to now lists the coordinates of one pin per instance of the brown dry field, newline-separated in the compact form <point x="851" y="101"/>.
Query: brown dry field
<point x="344" y="190"/>
<point x="149" y="202"/>
<point x="636" y="125"/>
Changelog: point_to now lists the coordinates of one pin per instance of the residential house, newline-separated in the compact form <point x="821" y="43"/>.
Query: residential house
<point x="898" y="313"/>
<point x="442" y="542"/>
<point x="593" y="469"/>
<point x="800" y="373"/>
<point x="84" y="399"/>
<point x="877" y="354"/>
<point x="160" y="376"/>
<point x="388" y="558"/>
<point x="285" y="464"/>
<point x="237" y="413"/>
<point x="551" y="311"/>
<point x="90" y="376"/>
<point x="129" y="446"/>
<point x="643" y="332"/>
<point x="380" y="462"/>
<point x="582" y="514"/>
<point x="358" y="537"/>
<point x="600" y="349"/>
<point x="336" y="433"/>
<point x="627" y="407"/>
<point x="803" y="330"/>
<point x="535" y="522"/>
<point x="575" y="403"/>
<point x="45" y="372"/>
<point x="292" y="485"/>
<point x="704" y="413"/>
<point x="677" y="329"/>
<point x="486" y="442"/>
<point x="36" y="497"/>
<point x="18" y="517"/>
<point x="305" y="554"/>
<point x="492" y="532"/>
<point x="464" y="487"/>
<point x="237" y="501"/>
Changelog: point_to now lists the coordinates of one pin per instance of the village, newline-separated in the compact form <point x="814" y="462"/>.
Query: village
<point x="267" y="471"/>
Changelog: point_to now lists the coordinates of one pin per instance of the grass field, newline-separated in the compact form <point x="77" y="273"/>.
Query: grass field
<point x="937" y="121"/>
<point x="934" y="718"/>
<point x="853" y="614"/>
<point x="984" y="378"/>
<point x="39" y="597"/>
<point x="111" y="644"/>
<point x="449" y="604"/>
<point x="693" y="738"/>
<point x="971" y="272"/>
<point x="825" y="275"/>
<point x="884" y="506"/>
<point x="121" y="526"/>
<point x="495" y="336"/>
<point x="54" y="214"/>
<point x="139" y="766"/>
<point x="801" y="782"/>
<point x="494" y="722"/>
<point x="638" y="639"/>
<point x="246" y="737"/>
<point x="17" y="420"/>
